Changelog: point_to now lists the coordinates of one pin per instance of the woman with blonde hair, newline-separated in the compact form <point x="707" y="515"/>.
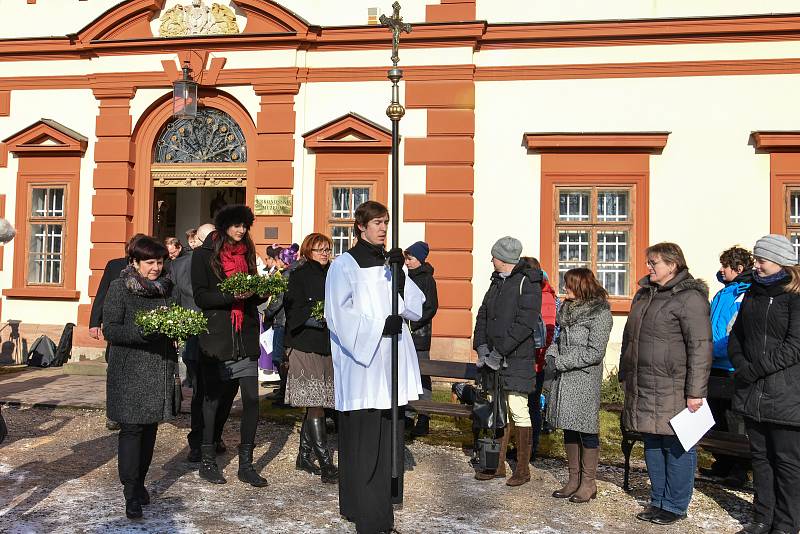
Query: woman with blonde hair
<point x="576" y="360"/>
<point x="764" y="347"/>
<point x="665" y="364"/>
<point x="308" y="345"/>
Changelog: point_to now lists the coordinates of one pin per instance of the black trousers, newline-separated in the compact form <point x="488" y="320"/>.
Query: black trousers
<point x="776" y="474"/>
<point x="134" y="454"/>
<point x="218" y="395"/>
<point x="366" y="488"/>
<point x="223" y="408"/>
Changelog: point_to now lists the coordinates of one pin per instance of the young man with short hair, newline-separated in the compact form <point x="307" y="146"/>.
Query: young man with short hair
<point x="358" y="311"/>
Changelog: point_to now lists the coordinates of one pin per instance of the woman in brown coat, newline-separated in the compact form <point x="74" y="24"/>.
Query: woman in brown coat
<point x="665" y="364"/>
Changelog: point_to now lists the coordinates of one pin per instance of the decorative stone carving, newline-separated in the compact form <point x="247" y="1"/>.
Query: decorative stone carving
<point x="197" y="19"/>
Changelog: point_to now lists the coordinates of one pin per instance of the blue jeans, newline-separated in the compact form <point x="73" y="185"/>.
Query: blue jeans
<point x="671" y="471"/>
<point x="278" y="351"/>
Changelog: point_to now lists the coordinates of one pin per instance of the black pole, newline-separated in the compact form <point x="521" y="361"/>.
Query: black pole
<point x="395" y="113"/>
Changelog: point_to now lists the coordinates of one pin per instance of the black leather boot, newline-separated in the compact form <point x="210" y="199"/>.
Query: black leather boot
<point x="209" y="470"/>
<point x="319" y="440"/>
<point x="304" y="460"/>
<point x="133" y="506"/>
<point x="246" y="472"/>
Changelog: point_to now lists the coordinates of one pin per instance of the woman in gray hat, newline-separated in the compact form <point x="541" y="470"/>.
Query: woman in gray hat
<point x="764" y="347"/>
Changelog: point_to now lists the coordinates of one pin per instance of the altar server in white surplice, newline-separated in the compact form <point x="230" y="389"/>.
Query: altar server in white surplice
<point x="358" y="310"/>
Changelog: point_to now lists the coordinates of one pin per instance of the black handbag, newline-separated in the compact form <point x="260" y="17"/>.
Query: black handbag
<point x="177" y="396"/>
<point x="487" y="449"/>
<point x="490" y="414"/>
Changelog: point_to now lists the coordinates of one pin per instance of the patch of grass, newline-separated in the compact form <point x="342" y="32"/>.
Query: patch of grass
<point x="611" y="390"/>
<point x="8" y="369"/>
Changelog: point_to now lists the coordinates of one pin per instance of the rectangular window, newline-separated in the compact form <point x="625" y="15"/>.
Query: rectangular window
<point x="344" y="198"/>
<point x="46" y="225"/>
<point x="593" y="230"/>
<point x="793" y="218"/>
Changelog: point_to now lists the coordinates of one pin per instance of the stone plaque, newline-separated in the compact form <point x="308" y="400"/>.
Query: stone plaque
<point x="273" y="205"/>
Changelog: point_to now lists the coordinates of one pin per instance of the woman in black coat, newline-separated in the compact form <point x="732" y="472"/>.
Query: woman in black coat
<point x="308" y="345"/>
<point x="141" y="369"/>
<point x="229" y="351"/>
<point x="764" y="347"/>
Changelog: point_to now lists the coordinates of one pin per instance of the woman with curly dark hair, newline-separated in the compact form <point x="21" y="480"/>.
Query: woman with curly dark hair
<point x="229" y="351"/>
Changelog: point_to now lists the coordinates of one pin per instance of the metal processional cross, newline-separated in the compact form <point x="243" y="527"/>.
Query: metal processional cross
<point x="396" y="24"/>
<point x="395" y="112"/>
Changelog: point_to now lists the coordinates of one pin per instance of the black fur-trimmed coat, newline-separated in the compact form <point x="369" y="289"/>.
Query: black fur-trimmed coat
<point x="140" y="380"/>
<point x="577" y="362"/>
<point x="666" y="352"/>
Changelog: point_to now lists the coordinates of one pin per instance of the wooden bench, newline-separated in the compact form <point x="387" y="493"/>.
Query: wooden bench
<point x="715" y="441"/>
<point x="445" y="369"/>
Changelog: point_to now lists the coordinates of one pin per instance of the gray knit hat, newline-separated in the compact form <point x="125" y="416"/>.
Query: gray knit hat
<point x="777" y="249"/>
<point x="507" y="249"/>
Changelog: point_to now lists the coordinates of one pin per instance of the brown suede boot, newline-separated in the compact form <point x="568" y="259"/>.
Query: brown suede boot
<point x="574" y="466"/>
<point x="522" y="471"/>
<point x="500" y="472"/>
<point x="588" y="488"/>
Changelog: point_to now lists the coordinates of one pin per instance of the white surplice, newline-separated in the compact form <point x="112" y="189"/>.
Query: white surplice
<point x="357" y="302"/>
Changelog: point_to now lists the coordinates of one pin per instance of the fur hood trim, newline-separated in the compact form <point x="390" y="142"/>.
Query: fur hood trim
<point x="574" y="312"/>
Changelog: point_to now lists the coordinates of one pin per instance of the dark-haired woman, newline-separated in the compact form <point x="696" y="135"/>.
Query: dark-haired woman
<point x="665" y="364"/>
<point x="308" y="343"/>
<point x="764" y="347"/>
<point x="577" y="363"/>
<point x="229" y="351"/>
<point x="140" y="378"/>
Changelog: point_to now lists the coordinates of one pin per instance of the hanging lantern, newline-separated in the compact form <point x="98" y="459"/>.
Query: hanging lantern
<point x="184" y="96"/>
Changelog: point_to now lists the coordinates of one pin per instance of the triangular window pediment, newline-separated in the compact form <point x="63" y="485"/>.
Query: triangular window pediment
<point x="349" y="132"/>
<point x="46" y="135"/>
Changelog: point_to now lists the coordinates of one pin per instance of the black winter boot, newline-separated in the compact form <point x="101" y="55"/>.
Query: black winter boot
<point x="304" y="460"/>
<point x="246" y="472"/>
<point x="133" y="506"/>
<point x="209" y="470"/>
<point x="319" y="440"/>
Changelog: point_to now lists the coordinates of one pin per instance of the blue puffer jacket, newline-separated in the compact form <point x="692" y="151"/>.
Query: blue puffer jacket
<point x="724" y="309"/>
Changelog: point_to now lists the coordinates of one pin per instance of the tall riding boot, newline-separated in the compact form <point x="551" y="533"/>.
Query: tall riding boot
<point x="304" y="460"/>
<point x="283" y="372"/>
<point x="522" y="471"/>
<point x="319" y="440"/>
<point x="588" y="487"/>
<point x="246" y="473"/>
<point x="500" y="472"/>
<point x="574" y="466"/>
<point x="209" y="470"/>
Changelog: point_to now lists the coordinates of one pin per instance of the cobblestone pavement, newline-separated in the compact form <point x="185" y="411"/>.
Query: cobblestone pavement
<point x="58" y="474"/>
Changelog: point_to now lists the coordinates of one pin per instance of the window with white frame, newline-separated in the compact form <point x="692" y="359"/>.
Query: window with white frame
<point x="46" y="228"/>
<point x="344" y="198"/>
<point x="793" y="218"/>
<point x="594" y="229"/>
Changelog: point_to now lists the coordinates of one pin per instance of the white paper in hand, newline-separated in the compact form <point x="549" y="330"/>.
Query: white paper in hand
<point x="265" y="339"/>
<point x="691" y="427"/>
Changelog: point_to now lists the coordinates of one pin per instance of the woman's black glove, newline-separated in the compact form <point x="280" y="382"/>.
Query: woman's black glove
<point x="393" y="325"/>
<point x="313" y="322"/>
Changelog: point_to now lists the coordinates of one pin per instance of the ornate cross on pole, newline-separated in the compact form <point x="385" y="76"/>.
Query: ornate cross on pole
<point x="396" y="24"/>
<point x="395" y="112"/>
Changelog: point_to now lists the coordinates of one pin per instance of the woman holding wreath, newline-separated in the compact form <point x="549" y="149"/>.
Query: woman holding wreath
<point x="308" y="343"/>
<point x="229" y="351"/>
<point x="141" y="368"/>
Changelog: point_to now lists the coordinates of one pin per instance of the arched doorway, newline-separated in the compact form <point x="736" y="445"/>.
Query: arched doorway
<point x="187" y="168"/>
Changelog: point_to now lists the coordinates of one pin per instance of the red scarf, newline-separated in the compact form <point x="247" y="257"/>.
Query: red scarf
<point x="233" y="258"/>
